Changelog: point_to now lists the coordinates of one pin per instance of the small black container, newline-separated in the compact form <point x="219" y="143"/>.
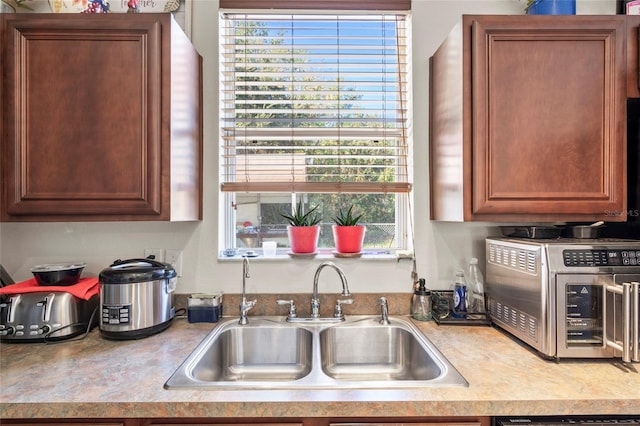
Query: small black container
<point x="204" y="308"/>
<point x="58" y="274"/>
<point x="582" y="231"/>
<point x="533" y="232"/>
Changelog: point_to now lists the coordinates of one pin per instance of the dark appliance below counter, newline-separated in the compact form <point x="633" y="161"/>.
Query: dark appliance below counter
<point x="613" y="420"/>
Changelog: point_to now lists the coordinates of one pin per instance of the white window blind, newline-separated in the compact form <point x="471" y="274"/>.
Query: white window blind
<point x="314" y="103"/>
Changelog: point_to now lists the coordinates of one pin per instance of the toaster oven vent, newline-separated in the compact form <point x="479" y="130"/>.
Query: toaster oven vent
<point x="518" y="322"/>
<point x="518" y="259"/>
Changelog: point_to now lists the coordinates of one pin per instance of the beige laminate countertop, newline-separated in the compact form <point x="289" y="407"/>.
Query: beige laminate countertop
<point x="94" y="378"/>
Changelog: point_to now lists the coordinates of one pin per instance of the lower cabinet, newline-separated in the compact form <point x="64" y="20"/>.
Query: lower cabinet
<point x="408" y="423"/>
<point x="311" y="421"/>
<point x="418" y="421"/>
<point x="58" y="422"/>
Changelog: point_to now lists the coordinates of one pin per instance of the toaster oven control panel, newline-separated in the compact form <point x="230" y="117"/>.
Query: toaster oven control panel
<point x="601" y="257"/>
<point x="116" y="314"/>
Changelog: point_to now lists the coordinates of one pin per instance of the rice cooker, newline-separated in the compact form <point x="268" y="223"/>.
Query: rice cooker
<point x="136" y="298"/>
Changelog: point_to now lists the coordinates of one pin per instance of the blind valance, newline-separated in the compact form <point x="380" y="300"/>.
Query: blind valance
<point x="397" y="5"/>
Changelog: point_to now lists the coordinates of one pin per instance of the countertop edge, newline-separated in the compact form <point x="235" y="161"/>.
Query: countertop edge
<point x="282" y="409"/>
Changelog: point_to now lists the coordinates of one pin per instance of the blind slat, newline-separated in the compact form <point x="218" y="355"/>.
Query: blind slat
<point x="317" y="104"/>
<point x="318" y="187"/>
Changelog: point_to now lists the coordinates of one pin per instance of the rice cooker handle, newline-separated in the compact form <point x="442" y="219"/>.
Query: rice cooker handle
<point x="152" y="262"/>
<point x="170" y="285"/>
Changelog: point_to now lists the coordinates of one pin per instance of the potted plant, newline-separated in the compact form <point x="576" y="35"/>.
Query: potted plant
<point x="303" y="229"/>
<point x="347" y="233"/>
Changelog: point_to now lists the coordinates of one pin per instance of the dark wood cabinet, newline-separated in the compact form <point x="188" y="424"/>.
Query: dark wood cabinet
<point x="307" y="421"/>
<point x="633" y="56"/>
<point x="527" y="119"/>
<point x="74" y="422"/>
<point x="101" y="118"/>
<point x="317" y="421"/>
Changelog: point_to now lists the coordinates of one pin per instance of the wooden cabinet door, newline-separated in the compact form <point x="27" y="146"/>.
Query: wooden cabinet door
<point x="540" y="133"/>
<point x="87" y="109"/>
<point x="548" y="118"/>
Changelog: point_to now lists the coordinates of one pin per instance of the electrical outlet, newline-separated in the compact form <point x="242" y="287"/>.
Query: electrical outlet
<point x="158" y="253"/>
<point x="174" y="258"/>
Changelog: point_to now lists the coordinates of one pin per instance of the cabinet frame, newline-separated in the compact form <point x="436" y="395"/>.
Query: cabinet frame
<point x="472" y="179"/>
<point x="125" y="160"/>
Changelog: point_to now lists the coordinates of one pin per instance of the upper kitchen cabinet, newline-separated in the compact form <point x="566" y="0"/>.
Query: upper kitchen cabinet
<point x="101" y="118"/>
<point x="633" y="69"/>
<point x="527" y="119"/>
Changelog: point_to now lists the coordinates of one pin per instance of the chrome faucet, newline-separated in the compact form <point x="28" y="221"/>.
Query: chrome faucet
<point x="384" y="311"/>
<point x="245" y="305"/>
<point x="315" y="302"/>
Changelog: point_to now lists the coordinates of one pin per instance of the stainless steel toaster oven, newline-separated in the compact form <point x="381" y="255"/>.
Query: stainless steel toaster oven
<point x="567" y="298"/>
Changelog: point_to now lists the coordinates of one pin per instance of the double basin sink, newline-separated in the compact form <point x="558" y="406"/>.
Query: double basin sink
<point x="270" y="353"/>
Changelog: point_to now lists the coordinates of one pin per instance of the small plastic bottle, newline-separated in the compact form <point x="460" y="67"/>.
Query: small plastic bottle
<point x="421" y="302"/>
<point x="475" y="288"/>
<point x="459" y="296"/>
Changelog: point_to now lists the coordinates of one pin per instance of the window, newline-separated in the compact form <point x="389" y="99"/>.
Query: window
<point x="314" y="108"/>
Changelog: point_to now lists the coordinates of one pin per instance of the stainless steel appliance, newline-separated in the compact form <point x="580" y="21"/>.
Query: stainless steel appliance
<point x="567" y="298"/>
<point x="46" y="316"/>
<point x="136" y="298"/>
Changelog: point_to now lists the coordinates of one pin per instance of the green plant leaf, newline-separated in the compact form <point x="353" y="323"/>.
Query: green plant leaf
<point x="298" y="218"/>
<point x="347" y="219"/>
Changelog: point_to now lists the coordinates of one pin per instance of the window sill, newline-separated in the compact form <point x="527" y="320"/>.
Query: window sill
<point x="322" y="254"/>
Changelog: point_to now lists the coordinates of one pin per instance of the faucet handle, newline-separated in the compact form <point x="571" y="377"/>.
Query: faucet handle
<point x="384" y="311"/>
<point x="292" y="307"/>
<point x="337" y="310"/>
<point x="245" y="306"/>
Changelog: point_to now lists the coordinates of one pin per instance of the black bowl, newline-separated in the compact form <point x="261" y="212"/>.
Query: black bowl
<point x="58" y="274"/>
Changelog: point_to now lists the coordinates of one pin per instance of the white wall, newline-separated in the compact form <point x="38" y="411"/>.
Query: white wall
<point x="441" y="248"/>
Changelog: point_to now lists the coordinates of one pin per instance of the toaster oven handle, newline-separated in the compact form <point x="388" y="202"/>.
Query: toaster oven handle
<point x="624" y="290"/>
<point x="635" y="324"/>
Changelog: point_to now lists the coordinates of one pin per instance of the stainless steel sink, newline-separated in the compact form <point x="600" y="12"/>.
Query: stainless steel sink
<point x="255" y="353"/>
<point x="270" y="353"/>
<point x="375" y="352"/>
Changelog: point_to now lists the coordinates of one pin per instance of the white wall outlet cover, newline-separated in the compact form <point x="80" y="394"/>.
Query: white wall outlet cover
<point x="174" y="258"/>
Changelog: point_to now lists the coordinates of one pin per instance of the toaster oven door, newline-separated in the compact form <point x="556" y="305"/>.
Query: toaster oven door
<point x="593" y="321"/>
<point x="580" y="314"/>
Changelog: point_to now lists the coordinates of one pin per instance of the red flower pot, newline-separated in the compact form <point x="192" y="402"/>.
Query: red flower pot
<point x="303" y="239"/>
<point x="348" y="239"/>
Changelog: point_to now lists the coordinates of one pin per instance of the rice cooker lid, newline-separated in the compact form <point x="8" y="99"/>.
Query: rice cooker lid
<point x="136" y="271"/>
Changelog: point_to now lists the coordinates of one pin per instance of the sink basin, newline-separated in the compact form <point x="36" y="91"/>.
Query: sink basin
<point x="375" y="352"/>
<point x="255" y="353"/>
<point x="270" y="353"/>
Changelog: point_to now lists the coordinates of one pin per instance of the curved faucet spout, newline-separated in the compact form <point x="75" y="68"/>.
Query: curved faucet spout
<point x="315" y="301"/>
<point x="384" y="311"/>
<point x="245" y="305"/>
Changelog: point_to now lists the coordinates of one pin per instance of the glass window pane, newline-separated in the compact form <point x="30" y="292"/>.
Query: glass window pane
<point x="259" y="217"/>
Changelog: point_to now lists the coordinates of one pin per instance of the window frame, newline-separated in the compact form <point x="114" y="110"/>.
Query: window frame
<point x="403" y="210"/>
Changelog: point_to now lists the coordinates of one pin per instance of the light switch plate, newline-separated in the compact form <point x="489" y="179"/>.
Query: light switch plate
<point x="174" y="258"/>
